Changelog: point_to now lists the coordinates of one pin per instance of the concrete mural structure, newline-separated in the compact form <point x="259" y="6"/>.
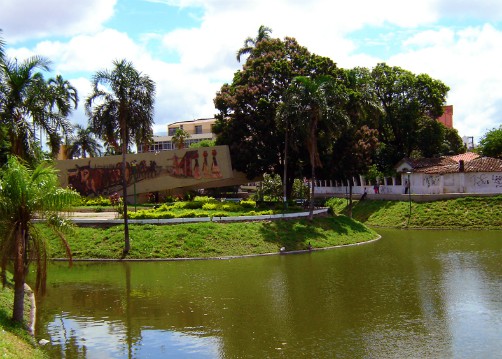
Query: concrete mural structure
<point x="151" y="172"/>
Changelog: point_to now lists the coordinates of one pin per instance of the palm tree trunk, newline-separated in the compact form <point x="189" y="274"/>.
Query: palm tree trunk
<point x="311" y="206"/>
<point x="127" y="245"/>
<point x="285" y="194"/>
<point x="19" y="277"/>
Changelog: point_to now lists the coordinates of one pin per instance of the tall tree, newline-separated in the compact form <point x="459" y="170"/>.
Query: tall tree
<point x="452" y="143"/>
<point x="84" y="143"/>
<point x="28" y="102"/>
<point x="179" y="138"/>
<point x="63" y="96"/>
<point x="353" y="152"/>
<point x="491" y="143"/>
<point x="25" y="193"/>
<point x="246" y="118"/>
<point x="406" y="99"/>
<point x="317" y="107"/>
<point x="122" y="99"/>
<point x="4" y="142"/>
<point x="263" y="34"/>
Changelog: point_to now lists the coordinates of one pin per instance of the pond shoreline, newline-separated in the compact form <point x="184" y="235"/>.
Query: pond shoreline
<point x="302" y="251"/>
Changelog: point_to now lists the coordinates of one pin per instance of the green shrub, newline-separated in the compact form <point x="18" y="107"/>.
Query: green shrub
<point x="204" y="199"/>
<point x="202" y="214"/>
<point x="96" y="201"/>
<point x="189" y="205"/>
<point x="248" y="204"/>
<point x="231" y="207"/>
<point x="165" y="215"/>
<point x="186" y="214"/>
<point x="210" y="206"/>
<point x="220" y="214"/>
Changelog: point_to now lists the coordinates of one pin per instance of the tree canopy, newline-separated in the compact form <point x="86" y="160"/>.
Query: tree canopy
<point x="391" y="113"/>
<point x="250" y="43"/>
<point x="247" y="107"/>
<point x="410" y="103"/>
<point x="29" y="103"/>
<point x="491" y="143"/>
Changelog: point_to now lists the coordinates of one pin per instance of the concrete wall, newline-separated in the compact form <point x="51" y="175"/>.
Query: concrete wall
<point x="421" y="184"/>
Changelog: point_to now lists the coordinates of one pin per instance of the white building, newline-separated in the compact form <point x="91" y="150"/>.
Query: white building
<point x="465" y="173"/>
<point x="199" y="130"/>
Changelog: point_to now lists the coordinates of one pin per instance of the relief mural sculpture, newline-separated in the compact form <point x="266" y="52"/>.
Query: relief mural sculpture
<point x="103" y="176"/>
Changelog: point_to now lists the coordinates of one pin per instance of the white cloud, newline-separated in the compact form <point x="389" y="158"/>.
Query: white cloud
<point x="468" y="61"/>
<point x="27" y="19"/>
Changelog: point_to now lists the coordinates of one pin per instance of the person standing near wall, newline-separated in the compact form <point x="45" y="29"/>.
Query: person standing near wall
<point x="406" y="187"/>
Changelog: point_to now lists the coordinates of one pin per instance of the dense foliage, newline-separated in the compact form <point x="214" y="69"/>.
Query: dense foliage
<point x="389" y="113"/>
<point x="25" y="195"/>
<point x="491" y="143"/>
<point x="247" y="107"/>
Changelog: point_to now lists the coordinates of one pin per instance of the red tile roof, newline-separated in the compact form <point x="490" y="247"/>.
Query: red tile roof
<point x="466" y="157"/>
<point x="450" y="164"/>
<point x="480" y="164"/>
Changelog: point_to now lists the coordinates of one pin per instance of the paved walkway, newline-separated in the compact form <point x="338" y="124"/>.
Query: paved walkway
<point x="89" y="218"/>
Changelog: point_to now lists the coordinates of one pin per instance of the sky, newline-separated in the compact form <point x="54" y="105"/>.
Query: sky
<point x="188" y="47"/>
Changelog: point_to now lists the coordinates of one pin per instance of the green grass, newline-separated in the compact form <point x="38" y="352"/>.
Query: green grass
<point x="15" y="341"/>
<point x="460" y="213"/>
<point x="208" y="239"/>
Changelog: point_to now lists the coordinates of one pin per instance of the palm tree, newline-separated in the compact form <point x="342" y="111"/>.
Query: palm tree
<point x="29" y="101"/>
<point x="24" y="194"/>
<point x="179" y="138"/>
<point x="122" y="99"/>
<point x="63" y="99"/>
<point x="263" y="34"/>
<point x="311" y="102"/>
<point x="84" y="143"/>
<point x="2" y="45"/>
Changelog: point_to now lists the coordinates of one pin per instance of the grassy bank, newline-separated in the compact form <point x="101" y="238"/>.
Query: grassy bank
<point x="15" y="341"/>
<point x="460" y="213"/>
<point x="204" y="240"/>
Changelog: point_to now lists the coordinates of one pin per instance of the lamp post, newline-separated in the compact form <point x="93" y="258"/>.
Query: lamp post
<point x="409" y="191"/>
<point x="133" y="165"/>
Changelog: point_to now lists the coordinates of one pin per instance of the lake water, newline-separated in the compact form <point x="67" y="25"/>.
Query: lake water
<point x="412" y="294"/>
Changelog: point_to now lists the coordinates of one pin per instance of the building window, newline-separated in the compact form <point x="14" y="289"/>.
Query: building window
<point x="198" y="129"/>
<point x="172" y="131"/>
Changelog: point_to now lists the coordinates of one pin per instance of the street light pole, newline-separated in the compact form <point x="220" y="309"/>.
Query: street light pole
<point x="409" y="191"/>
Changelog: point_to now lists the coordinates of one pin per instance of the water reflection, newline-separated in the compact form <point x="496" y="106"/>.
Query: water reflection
<point x="418" y="294"/>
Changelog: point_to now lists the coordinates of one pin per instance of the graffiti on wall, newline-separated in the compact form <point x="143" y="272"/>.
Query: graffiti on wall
<point x="91" y="180"/>
<point x="497" y="179"/>
<point x="481" y="180"/>
<point x="431" y="181"/>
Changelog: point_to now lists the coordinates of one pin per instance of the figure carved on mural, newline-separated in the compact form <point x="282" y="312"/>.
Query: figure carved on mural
<point x="205" y="166"/>
<point x="215" y="170"/>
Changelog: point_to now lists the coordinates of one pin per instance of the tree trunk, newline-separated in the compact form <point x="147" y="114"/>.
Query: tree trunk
<point x="127" y="245"/>
<point x="350" y="199"/>
<point x="285" y="178"/>
<point x="19" y="277"/>
<point x="311" y="205"/>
